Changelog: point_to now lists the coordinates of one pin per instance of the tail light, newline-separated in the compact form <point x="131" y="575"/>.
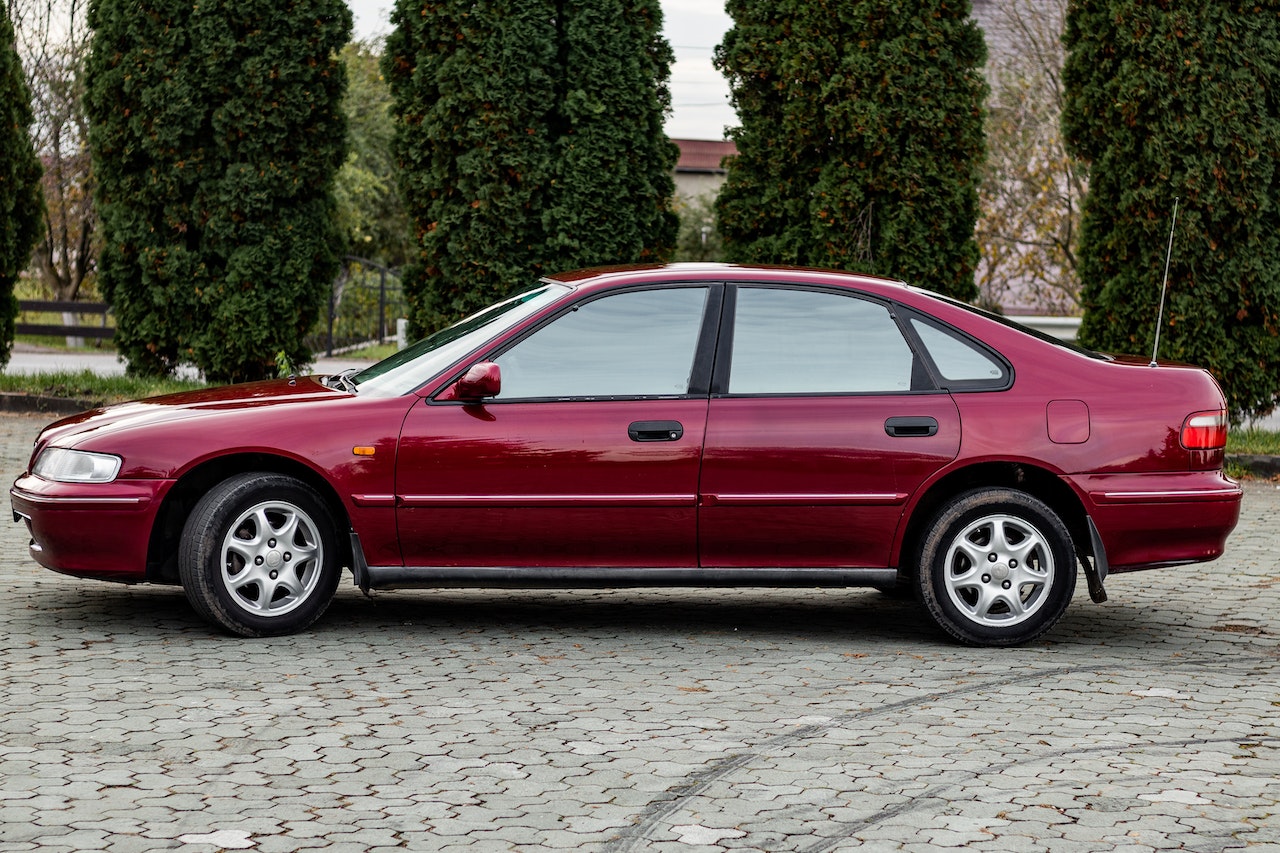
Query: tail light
<point x="1205" y="431"/>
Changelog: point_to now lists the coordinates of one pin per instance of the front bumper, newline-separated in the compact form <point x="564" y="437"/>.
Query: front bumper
<point x="90" y="530"/>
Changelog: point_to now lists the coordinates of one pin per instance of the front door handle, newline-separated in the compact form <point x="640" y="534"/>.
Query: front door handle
<point x="655" y="431"/>
<point x="911" y="427"/>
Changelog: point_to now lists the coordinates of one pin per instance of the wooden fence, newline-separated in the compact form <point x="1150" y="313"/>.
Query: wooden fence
<point x="97" y="309"/>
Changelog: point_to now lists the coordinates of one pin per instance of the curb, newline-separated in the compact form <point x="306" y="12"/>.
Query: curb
<point x="1266" y="467"/>
<point x="39" y="404"/>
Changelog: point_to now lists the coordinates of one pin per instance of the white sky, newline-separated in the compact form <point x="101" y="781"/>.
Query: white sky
<point x="699" y="93"/>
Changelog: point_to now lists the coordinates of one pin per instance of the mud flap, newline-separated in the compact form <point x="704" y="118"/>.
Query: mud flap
<point x="1095" y="571"/>
<point x="359" y="568"/>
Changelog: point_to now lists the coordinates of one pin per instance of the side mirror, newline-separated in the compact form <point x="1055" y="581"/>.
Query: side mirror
<point x="480" y="381"/>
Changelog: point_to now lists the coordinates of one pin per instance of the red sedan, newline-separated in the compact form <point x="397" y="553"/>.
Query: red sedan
<point x="684" y="425"/>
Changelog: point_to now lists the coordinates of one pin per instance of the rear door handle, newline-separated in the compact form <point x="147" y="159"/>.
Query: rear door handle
<point x="911" y="427"/>
<point x="655" y="431"/>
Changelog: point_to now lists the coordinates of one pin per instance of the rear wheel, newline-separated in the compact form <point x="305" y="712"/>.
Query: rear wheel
<point x="996" y="568"/>
<point x="258" y="555"/>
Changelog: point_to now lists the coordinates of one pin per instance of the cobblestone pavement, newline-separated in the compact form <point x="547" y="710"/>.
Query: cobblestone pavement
<point x="613" y="721"/>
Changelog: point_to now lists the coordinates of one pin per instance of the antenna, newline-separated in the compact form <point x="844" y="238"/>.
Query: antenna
<point x="1164" y="286"/>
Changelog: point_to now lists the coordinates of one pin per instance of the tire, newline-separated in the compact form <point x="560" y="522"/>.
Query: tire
<point x="997" y="567"/>
<point x="258" y="556"/>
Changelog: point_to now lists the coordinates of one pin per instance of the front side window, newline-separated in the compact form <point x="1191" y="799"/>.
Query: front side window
<point x="813" y="342"/>
<point x="409" y="368"/>
<point x="631" y="344"/>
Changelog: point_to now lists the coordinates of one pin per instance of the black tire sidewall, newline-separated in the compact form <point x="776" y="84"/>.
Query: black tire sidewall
<point x="947" y="525"/>
<point x="200" y="553"/>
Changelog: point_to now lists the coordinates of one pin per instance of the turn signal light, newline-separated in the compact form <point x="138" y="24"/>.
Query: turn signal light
<point x="1205" y="431"/>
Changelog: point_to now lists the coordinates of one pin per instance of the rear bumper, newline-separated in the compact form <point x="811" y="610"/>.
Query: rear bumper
<point x="93" y="531"/>
<point x="1150" y="520"/>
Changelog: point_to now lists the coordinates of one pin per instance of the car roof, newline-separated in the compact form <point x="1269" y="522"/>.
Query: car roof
<point x="606" y="277"/>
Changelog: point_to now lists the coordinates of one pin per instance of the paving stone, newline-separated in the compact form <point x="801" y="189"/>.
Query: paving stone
<point x="643" y="720"/>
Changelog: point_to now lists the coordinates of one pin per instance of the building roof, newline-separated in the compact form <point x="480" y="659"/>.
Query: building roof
<point x="703" y="155"/>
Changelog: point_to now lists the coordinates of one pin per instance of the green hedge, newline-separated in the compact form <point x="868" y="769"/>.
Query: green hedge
<point x="530" y="141"/>
<point x="861" y="137"/>
<point x="20" y="201"/>
<point x="1181" y="100"/>
<point x="216" y="131"/>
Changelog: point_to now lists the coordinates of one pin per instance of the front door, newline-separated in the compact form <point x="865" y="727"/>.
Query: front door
<point x="588" y="456"/>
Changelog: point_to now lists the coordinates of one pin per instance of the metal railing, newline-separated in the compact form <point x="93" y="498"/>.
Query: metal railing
<point x="364" y="303"/>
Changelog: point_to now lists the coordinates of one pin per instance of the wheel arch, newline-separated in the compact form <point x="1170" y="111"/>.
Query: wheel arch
<point x="166" y="532"/>
<point x="1031" y="479"/>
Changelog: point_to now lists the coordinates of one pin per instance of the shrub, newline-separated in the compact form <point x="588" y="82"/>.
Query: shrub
<point x="1184" y="101"/>
<point x="216" y="131"/>
<point x="861" y="138"/>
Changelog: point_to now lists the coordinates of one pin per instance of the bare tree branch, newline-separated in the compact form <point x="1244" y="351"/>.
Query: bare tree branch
<point x="1032" y="187"/>
<point x="53" y="40"/>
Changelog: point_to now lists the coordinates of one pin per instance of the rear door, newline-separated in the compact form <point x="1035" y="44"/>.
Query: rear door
<point x="822" y="422"/>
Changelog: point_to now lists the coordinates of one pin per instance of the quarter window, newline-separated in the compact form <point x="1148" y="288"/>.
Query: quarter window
<point x="956" y="359"/>
<point x="632" y="344"/>
<point x="806" y="342"/>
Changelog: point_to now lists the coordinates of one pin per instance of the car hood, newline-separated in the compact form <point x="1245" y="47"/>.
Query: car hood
<point x="173" y="407"/>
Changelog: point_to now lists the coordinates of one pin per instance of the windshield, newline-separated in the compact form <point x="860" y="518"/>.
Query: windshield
<point x="414" y="365"/>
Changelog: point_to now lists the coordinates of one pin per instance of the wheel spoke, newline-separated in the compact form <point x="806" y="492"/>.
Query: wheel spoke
<point x="251" y="576"/>
<point x="986" y="599"/>
<point x="976" y="552"/>
<point x="1013" y="603"/>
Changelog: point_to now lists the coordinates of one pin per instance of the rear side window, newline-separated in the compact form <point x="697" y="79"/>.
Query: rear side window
<point x="813" y="342"/>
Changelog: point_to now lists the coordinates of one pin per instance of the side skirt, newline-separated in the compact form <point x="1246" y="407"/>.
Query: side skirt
<point x="586" y="577"/>
<point x="603" y="577"/>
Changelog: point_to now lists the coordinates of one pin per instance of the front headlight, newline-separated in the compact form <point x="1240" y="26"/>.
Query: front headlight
<point x="76" y="466"/>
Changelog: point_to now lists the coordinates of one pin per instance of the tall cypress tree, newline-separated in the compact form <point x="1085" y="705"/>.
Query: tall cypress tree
<point x="216" y="133"/>
<point x="861" y="139"/>
<point x="530" y="140"/>
<point x="20" y="200"/>
<point x="1181" y="100"/>
<point x="610" y="198"/>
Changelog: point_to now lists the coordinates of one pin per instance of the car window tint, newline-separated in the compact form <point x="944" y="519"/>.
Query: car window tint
<point x="803" y="342"/>
<point x="634" y="344"/>
<point x="957" y="360"/>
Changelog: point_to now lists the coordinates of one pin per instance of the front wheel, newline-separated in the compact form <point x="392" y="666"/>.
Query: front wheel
<point x="258" y="555"/>
<point x="996" y="568"/>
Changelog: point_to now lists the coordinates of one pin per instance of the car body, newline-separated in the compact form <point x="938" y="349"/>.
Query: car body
<point x="699" y="425"/>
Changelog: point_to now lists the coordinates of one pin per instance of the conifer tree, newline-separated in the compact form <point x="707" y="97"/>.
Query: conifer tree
<point x="216" y="131"/>
<point x="861" y="137"/>
<point x="1181" y="100"/>
<point x="20" y="200"/>
<point x="530" y="141"/>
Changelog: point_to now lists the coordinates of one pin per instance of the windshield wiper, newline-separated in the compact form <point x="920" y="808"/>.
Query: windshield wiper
<point x="343" y="380"/>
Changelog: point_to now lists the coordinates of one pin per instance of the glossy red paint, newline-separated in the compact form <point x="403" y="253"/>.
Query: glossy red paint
<point x="449" y="478"/>
<point x="547" y="484"/>
<point x="815" y="481"/>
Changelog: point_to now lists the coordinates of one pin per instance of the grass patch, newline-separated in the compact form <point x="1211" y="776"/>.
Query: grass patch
<point x="87" y="385"/>
<point x="372" y="353"/>
<point x="1244" y="441"/>
<point x="59" y="343"/>
<point x="1253" y="441"/>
